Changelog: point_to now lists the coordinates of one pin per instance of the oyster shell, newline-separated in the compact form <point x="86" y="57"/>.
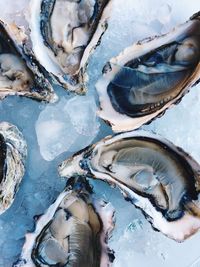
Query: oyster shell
<point x="20" y="73"/>
<point x="13" y="151"/>
<point x="64" y="34"/>
<point x="152" y="173"/>
<point x="150" y="76"/>
<point x="72" y="232"/>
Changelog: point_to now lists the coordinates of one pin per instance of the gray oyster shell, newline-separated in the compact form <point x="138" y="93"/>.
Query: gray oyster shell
<point x="13" y="152"/>
<point x="155" y="175"/>
<point x="64" y="34"/>
<point x="20" y="73"/>
<point x="150" y="76"/>
<point x="73" y="231"/>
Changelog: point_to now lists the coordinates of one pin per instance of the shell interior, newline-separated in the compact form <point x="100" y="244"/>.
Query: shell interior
<point x="72" y="232"/>
<point x="20" y="74"/>
<point x="150" y="169"/>
<point x="148" y="77"/>
<point x="152" y="173"/>
<point x="13" y="151"/>
<point x="66" y="43"/>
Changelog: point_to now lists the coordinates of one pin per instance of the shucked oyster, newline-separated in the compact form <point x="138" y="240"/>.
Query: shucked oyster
<point x="73" y="231"/>
<point x="150" y="76"/>
<point x="64" y="33"/>
<point x="13" y="152"/>
<point x="20" y="73"/>
<point x="152" y="173"/>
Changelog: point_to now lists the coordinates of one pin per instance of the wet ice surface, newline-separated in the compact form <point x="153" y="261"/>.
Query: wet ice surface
<point x="134" y="241"/>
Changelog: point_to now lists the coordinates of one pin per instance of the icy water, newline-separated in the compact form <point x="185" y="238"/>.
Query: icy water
<point x="53" y="132"/>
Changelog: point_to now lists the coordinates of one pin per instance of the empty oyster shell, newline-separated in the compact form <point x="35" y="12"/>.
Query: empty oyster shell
<point x="13" y="151"/>
<point x="152" y="173"/>
<point x="150" y="76"/>
<point x="64" y="34"/>
<point x="20" y="73"/>
<point x="73" y="231"/>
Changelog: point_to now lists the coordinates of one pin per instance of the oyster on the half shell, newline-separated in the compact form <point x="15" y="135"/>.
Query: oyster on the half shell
<point x="20" y="73"/>
<point x="13" y="151"/>
<point x="74" y="231"/>
<point x="150" y="76"/>
<point x="152" y="173"/>
<point x="64" y="33"/>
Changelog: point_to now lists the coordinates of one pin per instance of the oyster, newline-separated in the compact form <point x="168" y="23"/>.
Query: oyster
<point x="20" y="73"/>
<point x="64" y="33"/>
<point x="150" y="76"/>
<point x="13" y="151"/>
<point x="73" y="231"/>
<point x="152" y="173"/>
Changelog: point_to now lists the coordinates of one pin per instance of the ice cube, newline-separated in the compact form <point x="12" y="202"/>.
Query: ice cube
<point x="82" y="113"/>
<point x="54" y="132"/>
<point x="68" y="125"/>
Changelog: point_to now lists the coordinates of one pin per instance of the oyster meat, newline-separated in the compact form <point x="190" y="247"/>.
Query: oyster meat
<point x="73" y="231"/>
<point x="152" y="173"/>
<point x="20" y="73"/>
<point x="64" y="33"/>
<point x="150" y="76"/>
<point x="13" y="151"/>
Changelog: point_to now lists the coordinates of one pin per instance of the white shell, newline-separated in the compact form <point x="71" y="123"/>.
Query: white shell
<point x="44" y="90"/>
<point x="45" y="56"/>
<point x="81" y="164"/>
<point x="122" y="122"/>
<point x="104" y="210"/>
<point x="16" y="152"/>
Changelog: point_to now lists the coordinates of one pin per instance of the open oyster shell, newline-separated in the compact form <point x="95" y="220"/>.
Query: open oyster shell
<point x="13" y="151"/>
<point x="152" y="173"/>
<point x="64" y="34"/>
<point x="150" y="76"/>
<point x="20" y="73"/>
<point x="72" y="232"/>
